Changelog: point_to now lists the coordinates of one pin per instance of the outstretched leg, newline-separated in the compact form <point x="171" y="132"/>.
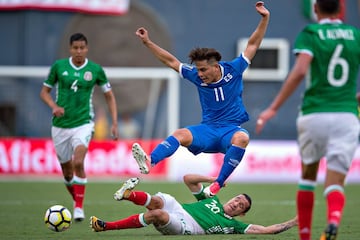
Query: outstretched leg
<point x="152" y="203"/>
<point x="232" y="159"/>
<point x="165" y="149"/>
<point x="157" y="217"/>
<point x="137" y="197"/>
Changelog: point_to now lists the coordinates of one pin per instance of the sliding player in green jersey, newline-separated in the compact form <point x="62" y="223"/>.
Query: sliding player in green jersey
<point x="328" y="124"/>
<point x="206" y="216"/>
<point x="73" y="114"/>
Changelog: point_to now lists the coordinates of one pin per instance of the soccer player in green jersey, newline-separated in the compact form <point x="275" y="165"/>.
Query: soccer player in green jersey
<point x="169" y="217"/>
<point x="329" y="51"/>
<point x="73" y="114"/>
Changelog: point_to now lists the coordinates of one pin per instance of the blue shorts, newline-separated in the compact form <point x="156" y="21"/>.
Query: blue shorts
<point x="212" y="139"/>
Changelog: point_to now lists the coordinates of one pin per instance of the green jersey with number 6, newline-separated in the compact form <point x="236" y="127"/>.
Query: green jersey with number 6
<point x="75" y="86"/>
<point x="332" y="83"/>
<point x="210" y="215"/>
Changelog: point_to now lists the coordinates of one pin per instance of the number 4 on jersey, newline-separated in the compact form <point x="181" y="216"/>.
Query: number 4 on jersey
<point x="74" y="86"/>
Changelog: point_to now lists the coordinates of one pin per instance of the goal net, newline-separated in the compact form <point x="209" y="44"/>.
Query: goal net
<point x="151" y="95"/>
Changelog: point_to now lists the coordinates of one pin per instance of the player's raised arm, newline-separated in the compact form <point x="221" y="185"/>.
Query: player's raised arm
<point x="259" y="33"/>
<point x="164" y="56"/>
<point x="194" y="181"/>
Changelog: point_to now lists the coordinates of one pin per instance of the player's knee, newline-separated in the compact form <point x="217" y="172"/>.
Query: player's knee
<point x="184" y="136"/>
<point x="155" y="203"/>
<point x="240" y="139"/>
<point x="158" y="217"/>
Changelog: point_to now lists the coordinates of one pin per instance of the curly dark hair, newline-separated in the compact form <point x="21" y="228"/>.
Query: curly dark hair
<point x="199" y="54"/>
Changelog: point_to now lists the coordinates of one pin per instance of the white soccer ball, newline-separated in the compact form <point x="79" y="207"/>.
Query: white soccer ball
<point x="57" y="218"/>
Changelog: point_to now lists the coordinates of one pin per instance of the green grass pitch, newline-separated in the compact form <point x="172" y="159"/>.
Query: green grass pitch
<point x="23" y="205"/>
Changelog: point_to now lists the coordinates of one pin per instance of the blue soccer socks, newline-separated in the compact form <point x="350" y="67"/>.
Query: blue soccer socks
<point x="165" y="149"/>
<point x="232" y="159"/>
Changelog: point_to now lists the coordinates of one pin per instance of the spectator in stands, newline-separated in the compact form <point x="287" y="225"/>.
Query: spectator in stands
<point x="129" y="128"/>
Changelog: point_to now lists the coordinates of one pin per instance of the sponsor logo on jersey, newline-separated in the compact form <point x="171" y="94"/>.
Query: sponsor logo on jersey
<point x="65" y="73"/>
<point x="88" y="76"/>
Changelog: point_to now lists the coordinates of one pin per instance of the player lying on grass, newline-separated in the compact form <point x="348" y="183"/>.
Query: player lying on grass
<point x="169" y="217"/>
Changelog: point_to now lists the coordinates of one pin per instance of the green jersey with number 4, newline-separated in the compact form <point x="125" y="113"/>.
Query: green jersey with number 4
<point x="332" y="83"/>
<point x="75" y="86"/>
<point x="210" y="215"/>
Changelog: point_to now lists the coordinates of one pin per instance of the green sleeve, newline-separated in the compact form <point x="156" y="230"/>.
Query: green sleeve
<point x="200" y="195"/>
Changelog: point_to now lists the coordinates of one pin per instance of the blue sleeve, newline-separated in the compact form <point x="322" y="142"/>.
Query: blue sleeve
<point x="240" y="63"/>
<point x="190" y="73"/>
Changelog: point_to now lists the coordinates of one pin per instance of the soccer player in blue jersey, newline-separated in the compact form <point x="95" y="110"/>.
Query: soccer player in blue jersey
<point x="220" y="87"/>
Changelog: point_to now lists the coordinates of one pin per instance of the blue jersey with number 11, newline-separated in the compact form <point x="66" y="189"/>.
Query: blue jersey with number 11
<point x="221" y="102"/>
